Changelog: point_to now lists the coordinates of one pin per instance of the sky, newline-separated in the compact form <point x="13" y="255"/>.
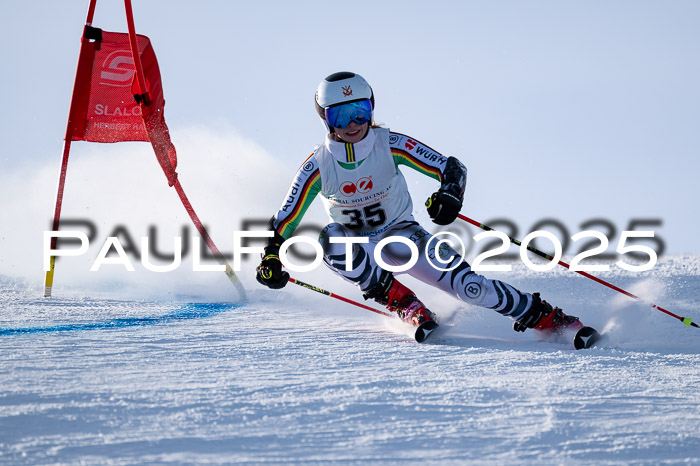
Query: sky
<point x="584" y="113"/>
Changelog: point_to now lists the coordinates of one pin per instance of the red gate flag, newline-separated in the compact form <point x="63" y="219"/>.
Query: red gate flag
<point x="118" y="96"/>
<point x="104" y="107"/>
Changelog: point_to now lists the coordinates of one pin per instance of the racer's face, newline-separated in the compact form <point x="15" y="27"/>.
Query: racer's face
<point x="352" y="133"/>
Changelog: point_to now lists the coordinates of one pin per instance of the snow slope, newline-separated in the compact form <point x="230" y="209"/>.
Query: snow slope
<point x="293" y="376"/>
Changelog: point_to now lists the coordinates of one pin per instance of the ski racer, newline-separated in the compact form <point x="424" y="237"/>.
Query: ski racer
<point x="356" y="172"/>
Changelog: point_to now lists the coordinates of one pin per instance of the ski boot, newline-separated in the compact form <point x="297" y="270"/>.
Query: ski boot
<point x="547" y="319"/>
<point x="554" y="325"/>
<point x="398" y="298"/>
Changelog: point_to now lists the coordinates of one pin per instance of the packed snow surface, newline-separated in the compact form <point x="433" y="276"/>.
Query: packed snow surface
<point x="292" y="376"/>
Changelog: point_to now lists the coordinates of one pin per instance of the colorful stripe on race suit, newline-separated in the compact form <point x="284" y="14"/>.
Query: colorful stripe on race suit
<point x="404" y="158"/>
<point x="349" y="153"/>
<point x="298" y="201"/>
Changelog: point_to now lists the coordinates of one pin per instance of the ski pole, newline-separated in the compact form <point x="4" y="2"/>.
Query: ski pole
<point x="333" y="295"/>
<point x="686" y="320"/>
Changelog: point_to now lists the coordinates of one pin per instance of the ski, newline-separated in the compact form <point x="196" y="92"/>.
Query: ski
<point x="424" y="330"/>
<point x="586" y="337"/>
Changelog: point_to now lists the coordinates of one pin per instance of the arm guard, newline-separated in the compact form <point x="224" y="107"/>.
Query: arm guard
<point x="274" y="243"/>
<point x="454" y="178"/>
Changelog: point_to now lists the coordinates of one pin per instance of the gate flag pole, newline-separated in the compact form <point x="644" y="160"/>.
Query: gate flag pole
<point x="48" y="280"/>
<point x="159" y="136"/>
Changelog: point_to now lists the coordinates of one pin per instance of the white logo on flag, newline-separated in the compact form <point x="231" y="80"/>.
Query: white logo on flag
<point x="117" y="69"/>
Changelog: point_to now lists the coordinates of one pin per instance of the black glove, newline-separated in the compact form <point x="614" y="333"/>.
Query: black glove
<point x="443" y="206"/>
<point x="270" y="274"/>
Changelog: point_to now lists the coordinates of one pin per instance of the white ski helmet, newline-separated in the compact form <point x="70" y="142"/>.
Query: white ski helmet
<point x="341" y="88"/>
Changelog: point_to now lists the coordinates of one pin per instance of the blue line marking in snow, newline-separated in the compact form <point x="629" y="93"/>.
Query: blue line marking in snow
<point x="185" y="312"/>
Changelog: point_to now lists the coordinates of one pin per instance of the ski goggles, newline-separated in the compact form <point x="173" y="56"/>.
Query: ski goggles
<point x="340" y="116"/>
